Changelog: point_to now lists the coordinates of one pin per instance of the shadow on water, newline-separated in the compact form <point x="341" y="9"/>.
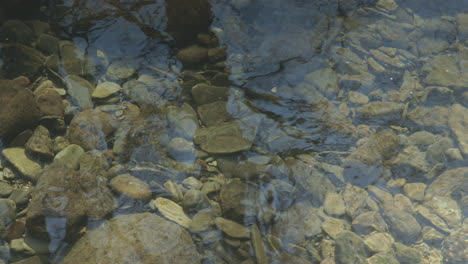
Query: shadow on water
<point x="233" y="131"/>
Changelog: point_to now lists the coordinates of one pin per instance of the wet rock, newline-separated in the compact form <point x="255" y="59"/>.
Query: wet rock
<point x="21" y="196"/>
<point x="121" y="70"/>
<point x="183" y="121"/>
<point x="447" y="208"/>
<point x="357" y="98"/>
<point x="106" y="89"/>
<point x="204" y="93"/>
<point x="213" y="114"/>
<point x="383" y="258"/>
<point x="238" y="200"/>
<point x="22" y="60"/>
<point x="69" y="156"/>
<point x="211" y="187"/>
<point x="435" y="95"/>
<point x="258" y="245"/>
<point x="40" y="143"/>
<point x="90" y="128"/>
<point x="193" y="55"/>
<point x="410" y="163"/>
<point x="454" y="246"/>
<point x="430" y="235"/>
<point x="333" y="227"/>
<point x="80" y="90"/>
<point x="227" y="138"/>
<point x="296" y="223"/>
<point x="81" y="196"/>
<point x="16" y="31"/>
<point x="18" y="158"/>
<point x="450" y="182"/>
<point x="436" y="151"/>
<point x="30" y="246"/>
<point x="325" y="80"/>
<point x="357" y="200"/>
<point x="137" y="238"/>
<point x="368" y="222"/>
<point x="232" y="228"/>
<point x="422" y="138"/>
<point x="18" y="109"/>
<point x="202" y="221"/>
<point x="50" y="102"/>
<point x="334" y="204"/>
<point x="5" y="189"/>
<point x="444" y="70"/>
<point x="73" y="63"/>
<point x="242" y="169"/>
<point x="192" y="183"/>
<point x="171" y="211"/>
<point x="131" y="186"/>
<point x="379" y="109"/>
<point x="174" y="190"/>
<point x="437" y="116"/>
<point x="181" y="149"/>
<point x="47" y="44"/>
<point x="430" y="216"/>
<point x="195" y="200"/>
<point x="459" y="125"/>
<point x="415" y="191"/>
<point x="349" y="248"/>
<point x="405" y="254"/>
<point x="379" y="242"/>
<point x="217" y="53"/>
<point x="7" y="215"/>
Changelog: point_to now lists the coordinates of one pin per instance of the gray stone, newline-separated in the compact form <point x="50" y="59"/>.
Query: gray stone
<point x="410" y="162"/>
<point x="210" y="187"/>
<point x="334" y="204"/>
<point x="349" y="249"/>
<point x="405" y="254"/>
<point x="195" y="200"/>
<point x="422" y="138"/>
<point x="447" y="208"/>
<point x="18" y="158"/>
<point x="106" y="89"/>
<point x="192" y="183"/>
<point x="459" y="126"/>
<point x="437" y="116"/>
<point x="193" y="55"/>
<point x="7" y="215"/>
<point x="59" y="144"/>
<point x="21" y="196"/>
<point x="238" y="200"/>
<point x="137" y="238"/>
<point x="202" y="221"/>
<point x="296" y="223"/>
<point x="181" y="149"/>
<point x="232" y="228"/>
<point x="73" y="62"/>
<point x="69" y="156"/>
<point x="325" y="80"/>
<point x="356" y="200"/>
<point x="383" y="258"/>
<point x="131" y="186"/>
<point x="430" y="216"/>
<point x="30" y="246"/>
<point x="227" y="138"/>
<point x="204" y="94"/>
<point x="430" y="235"/>
<point x="183" y="121"/>
<point x="449" y="182"/>
<point x="80" y="90"/>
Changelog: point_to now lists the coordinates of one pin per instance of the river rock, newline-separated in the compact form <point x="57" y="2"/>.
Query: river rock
<point x="383" y="257"/>
<point x="50" y="102"/>
<point x="40" y="143"/>
<point x="193" y="55"/>
<point x="105" y="89"/>
<point x="379" y="242"/>
<point x="334" y="226"/>
<point x="232" y="228"/>
<point x="131" y="186"/>
<point x="213" y="114"/>
<point x="18" y="158"/>
<point x="238" y="200"/>
<point x="444" y="70"/>
<point x="81" y="196"/>
<point x="181" y="149"/>
<point x="137" y="238"/>
<point x="90" y="128"/>
<point x="296" y="223"/>
<point x="437" y="116"/>
<point x="80" y="90"/>
<point x="18" y="108"/>
<point x="368" y="222"/>
<point x="7" y="215"/>
<point x="379" y="109"/>
<point x="171" y="211"/>
<point x="183" y="121"/>
<point x="16" y="31"/>
<point x="69" y="156"/>
<point x="205" y="94"/>
<point x="350" y="249"/>
<point x="334" y="204"/>
<point x="415" y="191"/>
<point x="227" y="138"/>
<point x="325" y="80"/>
<point x="448" y="183"/>
<point x="405" y="254"/>
<point x="459" y="125"/>
<point x="73" y="62"/>
<point x="22" y="60"/>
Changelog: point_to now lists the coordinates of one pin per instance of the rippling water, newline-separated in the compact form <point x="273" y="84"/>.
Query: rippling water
<point x="267" y="131"/>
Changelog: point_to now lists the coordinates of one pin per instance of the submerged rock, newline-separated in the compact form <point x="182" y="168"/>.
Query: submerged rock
<point x="70" y="195"/>
<point x="138" y="238"/>
<point x="350" y="249"/>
